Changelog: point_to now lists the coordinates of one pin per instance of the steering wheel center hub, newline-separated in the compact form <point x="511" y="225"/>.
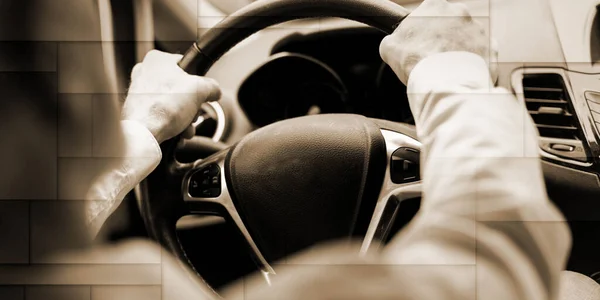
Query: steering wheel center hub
<point x="305" y="180"/>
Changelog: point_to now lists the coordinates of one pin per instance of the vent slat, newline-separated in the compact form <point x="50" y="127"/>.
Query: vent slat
<point x="545" y="126"/>
<point x="535" y="112"/>
<point x="535" y="100"/>
<point x="542" y="89"/>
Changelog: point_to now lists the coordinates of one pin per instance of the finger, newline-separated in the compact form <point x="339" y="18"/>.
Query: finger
<point x="385" y="48"/>
<point x="181" y="143"/>
<point x="136" y="71"/>
<point x="189" y="132"/>
<point x="200" y="112"/>
<point x="207" y="90"/>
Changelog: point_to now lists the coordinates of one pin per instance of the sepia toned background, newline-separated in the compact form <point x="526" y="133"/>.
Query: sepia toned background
<point x="73" y="48"/>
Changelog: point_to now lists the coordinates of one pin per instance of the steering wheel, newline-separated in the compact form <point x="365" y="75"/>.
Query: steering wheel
<point x="297" y="182"/>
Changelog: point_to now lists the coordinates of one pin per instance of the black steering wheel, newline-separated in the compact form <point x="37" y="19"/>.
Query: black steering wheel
<point x="297" y="182"/>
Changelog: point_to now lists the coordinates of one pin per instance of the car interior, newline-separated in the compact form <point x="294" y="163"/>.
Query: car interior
<point x="328" y="69"/>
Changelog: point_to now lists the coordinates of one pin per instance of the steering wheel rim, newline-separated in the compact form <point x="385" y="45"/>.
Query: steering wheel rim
<point x="160" y="200"/>
<point x="382" y="15"/>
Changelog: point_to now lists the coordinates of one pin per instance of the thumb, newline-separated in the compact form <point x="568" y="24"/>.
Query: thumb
<point x="208" y="89"/>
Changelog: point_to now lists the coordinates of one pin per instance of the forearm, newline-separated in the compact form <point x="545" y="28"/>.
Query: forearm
<point x="484" y="201"/>
<point x="141" y="156"/>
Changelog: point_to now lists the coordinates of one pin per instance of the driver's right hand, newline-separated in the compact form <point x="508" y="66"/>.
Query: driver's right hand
<point x="436" y="26"/>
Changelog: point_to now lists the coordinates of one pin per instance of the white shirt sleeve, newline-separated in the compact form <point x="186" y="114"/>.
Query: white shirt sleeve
<point x="141" y="156"/>
<point x="486" y="229"/>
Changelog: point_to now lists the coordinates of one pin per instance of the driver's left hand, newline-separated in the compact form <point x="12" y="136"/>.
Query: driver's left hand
<point x="164" y="98"/>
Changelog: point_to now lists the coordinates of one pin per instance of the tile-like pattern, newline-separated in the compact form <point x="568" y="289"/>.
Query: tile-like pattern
<point x="81" y="69"/>
<point x="14" y="232"/>
<point x="63" y="274"/>
<point x="28" y="56"/>
<point x="65" y="55"/>
<point x="75" y="176"/>
<point x="12" y="292"/>
<point x="56" y="226"/>
<point x="75" y="141"/>
<point x="106" y="131"/>
<point x="51" y="20"/>
<point x="125" y="253"/>
<point x="30" y="136"/>
<point x="179" y="20"/>
<point x="57" y="293"/>
<point x="126" y="293"/>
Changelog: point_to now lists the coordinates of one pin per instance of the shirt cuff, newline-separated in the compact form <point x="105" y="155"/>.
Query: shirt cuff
<point x="140" y="143"/>
<point x="141" y="155"/>
<point x="447" y="72"/>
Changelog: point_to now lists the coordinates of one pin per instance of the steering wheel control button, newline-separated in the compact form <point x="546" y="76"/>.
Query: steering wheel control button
<point x="206" y="182"/>
<point x="563" y="148"/>
<point x="211" y="170"/>
<point x="211" y="193"/>
<point x="404" y="165"/>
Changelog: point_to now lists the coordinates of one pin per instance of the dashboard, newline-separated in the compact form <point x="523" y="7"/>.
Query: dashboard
<point x="346" y="53"/>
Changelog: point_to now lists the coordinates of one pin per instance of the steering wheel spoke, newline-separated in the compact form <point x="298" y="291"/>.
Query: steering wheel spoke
<point x="205" y="191"/>
<point x="402" y="182"/>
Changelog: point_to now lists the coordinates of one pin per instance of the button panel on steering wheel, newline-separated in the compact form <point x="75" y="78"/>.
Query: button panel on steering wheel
<point x="206" y="183"/>
<point x="404" y="166"/>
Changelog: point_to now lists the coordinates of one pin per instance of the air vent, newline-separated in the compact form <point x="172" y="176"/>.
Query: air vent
<point x="548" y="103"/>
